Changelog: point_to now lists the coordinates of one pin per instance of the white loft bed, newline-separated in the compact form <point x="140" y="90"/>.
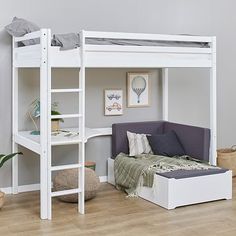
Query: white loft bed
<point x="46" y="57"/>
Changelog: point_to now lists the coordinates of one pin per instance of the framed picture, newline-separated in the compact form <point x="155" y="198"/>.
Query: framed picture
<point x="138" y="89"/>
<point x="113" y="102"/>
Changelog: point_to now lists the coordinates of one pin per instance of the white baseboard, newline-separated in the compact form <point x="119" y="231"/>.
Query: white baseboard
<point x="22" y="188"/>
<point x="103" y="179"/>
<point x="28" y="188"/>
<point x="7" y="190"/>
<point x="36" y="187"/>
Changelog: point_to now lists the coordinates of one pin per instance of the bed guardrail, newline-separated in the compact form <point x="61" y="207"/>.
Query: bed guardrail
<point x="134" y="36"/>
<point x="138" y="36"/>
<point x="33" y="35"/>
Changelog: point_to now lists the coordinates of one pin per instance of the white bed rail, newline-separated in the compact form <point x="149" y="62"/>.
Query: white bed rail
<point x="138" y="36"/>
<point x="33" y="35"/>
<point x="146" y="56"/>
<point x="131" y="36"/>
<point x="30" y="55"/>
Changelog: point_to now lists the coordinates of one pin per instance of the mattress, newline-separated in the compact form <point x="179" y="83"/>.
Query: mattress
<point x="129" y="42"/>
<point x="181" y="174"/>
<point x="72" y="40"/>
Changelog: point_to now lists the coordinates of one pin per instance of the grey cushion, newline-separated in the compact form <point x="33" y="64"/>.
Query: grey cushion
<point x="19" y="27"/>
<point x="166" y="144"/>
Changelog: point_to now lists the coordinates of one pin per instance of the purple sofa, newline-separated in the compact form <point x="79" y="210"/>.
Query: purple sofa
<point x="195" y="140"/>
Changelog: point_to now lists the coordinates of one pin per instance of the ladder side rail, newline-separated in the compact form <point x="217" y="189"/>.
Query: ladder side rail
<point x="44" y="121"/>
<point x="49" y="96"/>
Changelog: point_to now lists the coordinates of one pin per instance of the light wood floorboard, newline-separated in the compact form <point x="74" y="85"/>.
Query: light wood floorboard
<point x="111" y="213"/>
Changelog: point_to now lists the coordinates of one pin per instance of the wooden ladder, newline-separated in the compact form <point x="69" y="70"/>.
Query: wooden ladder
<point x="46" y="144"/>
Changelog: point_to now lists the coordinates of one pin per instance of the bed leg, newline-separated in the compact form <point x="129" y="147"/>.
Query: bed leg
<point x="111" y="177"/>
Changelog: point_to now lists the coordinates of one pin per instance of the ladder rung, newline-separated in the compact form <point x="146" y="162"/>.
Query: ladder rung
<point x="66" y="116"/>
<point x="65" y="192"/>
<point x="66" y="90"/>
<point x="65" y="167"/>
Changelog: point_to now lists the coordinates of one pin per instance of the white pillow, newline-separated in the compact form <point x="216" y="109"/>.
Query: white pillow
<point x="138" y="144"/>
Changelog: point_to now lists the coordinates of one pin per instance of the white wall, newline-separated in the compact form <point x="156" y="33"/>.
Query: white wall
<point x="188" y="88"/>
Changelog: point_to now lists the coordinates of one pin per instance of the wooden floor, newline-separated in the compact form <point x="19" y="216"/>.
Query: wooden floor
<point x="111" y="213"/>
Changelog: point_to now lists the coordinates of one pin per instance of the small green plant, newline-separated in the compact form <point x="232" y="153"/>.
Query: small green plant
<point x="34" y="113"/>
<point x="55" y="112"/>
<point x="4" y="157"/>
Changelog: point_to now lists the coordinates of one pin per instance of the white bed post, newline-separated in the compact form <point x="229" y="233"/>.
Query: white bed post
<point x="213" y="105"/>
<point x="45" y="133"/>
<point x="82" y="123"/>
<point x="165" y="104"/>
<point x="49" y="85"/>
<point x="14" y="119"/>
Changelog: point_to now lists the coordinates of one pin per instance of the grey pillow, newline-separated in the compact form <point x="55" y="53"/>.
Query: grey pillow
<point x="167" y="144"/>
<point x="19" y="27"/>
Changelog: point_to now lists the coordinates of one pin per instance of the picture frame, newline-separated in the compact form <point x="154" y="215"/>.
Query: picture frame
<point x="138" y="89"/>
<point x="113" y="102"/>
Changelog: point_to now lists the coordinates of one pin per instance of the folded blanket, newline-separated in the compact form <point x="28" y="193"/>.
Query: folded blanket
<point x="130" y="173"/>
<point x="66" y="41"/>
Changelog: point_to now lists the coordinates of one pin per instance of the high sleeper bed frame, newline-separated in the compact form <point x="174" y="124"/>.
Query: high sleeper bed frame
<point x="45" y="57"/>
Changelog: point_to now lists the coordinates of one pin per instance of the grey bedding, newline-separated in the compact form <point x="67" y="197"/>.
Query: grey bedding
<point x="19" y="27"/>
<point x="66" y="41"/>
<point x="72" y="40"/>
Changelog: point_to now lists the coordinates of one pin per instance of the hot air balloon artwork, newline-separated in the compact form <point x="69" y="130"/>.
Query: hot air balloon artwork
<point x="138" y="89"/>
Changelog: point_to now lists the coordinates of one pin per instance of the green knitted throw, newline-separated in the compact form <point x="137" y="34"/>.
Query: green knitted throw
<point x="132" y="172"/>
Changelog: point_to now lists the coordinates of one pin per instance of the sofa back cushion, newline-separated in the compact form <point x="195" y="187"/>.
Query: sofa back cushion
<point x="166" y="144"/>
<point x="195" y="140"/>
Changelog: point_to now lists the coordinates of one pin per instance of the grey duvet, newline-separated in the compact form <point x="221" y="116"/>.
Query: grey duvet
<point x="72" y="40"/>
